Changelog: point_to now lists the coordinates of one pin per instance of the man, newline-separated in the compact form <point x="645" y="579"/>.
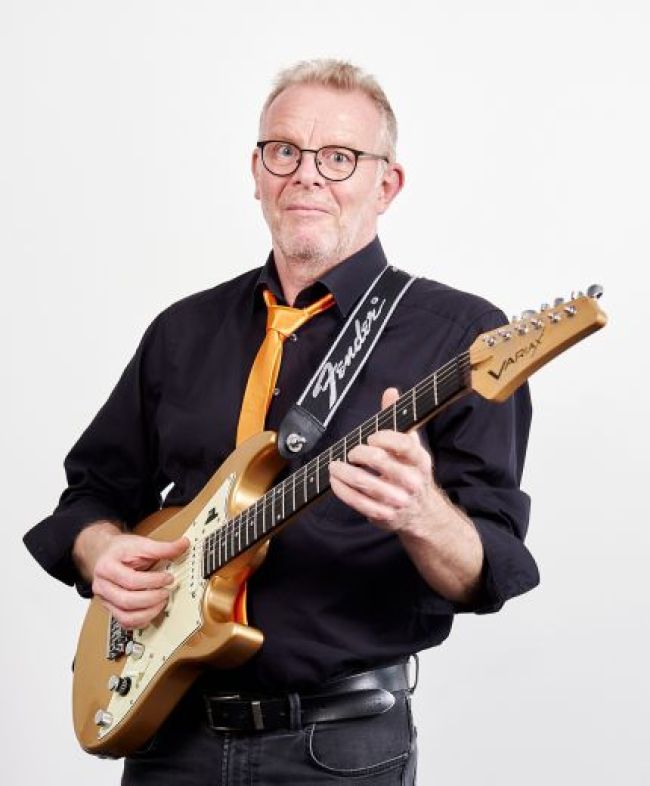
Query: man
<point x="419" y="528"/>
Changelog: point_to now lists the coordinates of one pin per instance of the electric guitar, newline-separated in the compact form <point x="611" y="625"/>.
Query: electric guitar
<point x="127" y="682"/>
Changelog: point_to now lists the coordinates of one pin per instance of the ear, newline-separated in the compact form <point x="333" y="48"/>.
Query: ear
<point x="255" y="168"/>
<point x="391" y="183"/>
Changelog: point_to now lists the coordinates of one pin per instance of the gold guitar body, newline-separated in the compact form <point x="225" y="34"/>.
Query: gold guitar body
<point x="198" y="628"/>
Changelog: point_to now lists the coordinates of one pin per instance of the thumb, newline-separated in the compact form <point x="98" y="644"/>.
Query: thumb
<point x="174" y="548"/>
<point x="390" y="396"/>
<point x="163" y="549"/>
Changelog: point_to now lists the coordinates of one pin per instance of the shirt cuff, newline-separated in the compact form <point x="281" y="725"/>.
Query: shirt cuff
<point x="508" y="570"/>
<point x="50" y="542"/>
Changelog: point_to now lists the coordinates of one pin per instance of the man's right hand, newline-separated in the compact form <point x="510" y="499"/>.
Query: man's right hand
<point x="118" y="564"/>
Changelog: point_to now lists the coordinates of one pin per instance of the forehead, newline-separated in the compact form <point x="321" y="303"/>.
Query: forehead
<point x="313" y="115"/>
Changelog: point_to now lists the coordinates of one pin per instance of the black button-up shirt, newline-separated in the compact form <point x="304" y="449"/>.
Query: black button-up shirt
<point x="335" y="593"/>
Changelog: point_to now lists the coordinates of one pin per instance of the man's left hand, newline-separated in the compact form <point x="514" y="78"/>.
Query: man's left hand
<point x="389" y="480"/>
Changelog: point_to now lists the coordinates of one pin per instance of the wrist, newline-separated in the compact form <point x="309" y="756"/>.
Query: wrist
<point x="90" y="543"/>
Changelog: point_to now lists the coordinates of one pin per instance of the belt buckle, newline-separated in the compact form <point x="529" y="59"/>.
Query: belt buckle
<point x="208" y="707"/>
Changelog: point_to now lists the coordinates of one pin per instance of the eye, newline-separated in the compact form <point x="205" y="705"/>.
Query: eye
<point x="284" y="151"/>
<point x="338" y="156"/>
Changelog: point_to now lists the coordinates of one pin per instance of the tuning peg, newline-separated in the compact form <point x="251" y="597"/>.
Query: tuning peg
<point x="544" y="307"/>
<point x="595" y="291"/>
<point x="528" y="314"/>
<point x="558" y="302"/>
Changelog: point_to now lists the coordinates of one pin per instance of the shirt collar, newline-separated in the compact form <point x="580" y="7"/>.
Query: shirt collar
<point x="347" y="281"/>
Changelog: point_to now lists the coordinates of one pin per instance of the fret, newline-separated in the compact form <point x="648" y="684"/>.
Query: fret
<point x="304" y="480"/>
<point x="345" y="448"/>
<point x="293" y="477"/>
<point x="435" y="389"/>
<point x="238" y="528"/>
<point x="219" y="562"/>
<point x="317" y="475"/>
<point x="394" y="409"/>
<point x="413" y="403"/>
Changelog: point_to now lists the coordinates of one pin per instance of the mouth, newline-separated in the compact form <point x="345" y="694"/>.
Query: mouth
<point x="305" y="209"/>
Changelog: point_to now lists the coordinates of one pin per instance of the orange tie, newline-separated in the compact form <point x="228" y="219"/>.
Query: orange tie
<point x="281" y="322"/>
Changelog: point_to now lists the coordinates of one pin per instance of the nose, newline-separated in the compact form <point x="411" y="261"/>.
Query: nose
<point x="307" y="173"/>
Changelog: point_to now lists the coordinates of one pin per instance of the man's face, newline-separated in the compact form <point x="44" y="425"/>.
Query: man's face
<point x="311" y="218"/>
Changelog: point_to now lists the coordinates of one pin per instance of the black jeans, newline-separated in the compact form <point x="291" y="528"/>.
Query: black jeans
<point x="380" y="750"/>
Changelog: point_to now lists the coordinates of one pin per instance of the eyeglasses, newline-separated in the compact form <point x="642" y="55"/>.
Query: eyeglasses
<point x="332" y="161"/>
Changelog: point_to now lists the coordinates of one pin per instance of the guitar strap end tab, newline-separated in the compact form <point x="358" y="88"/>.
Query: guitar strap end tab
<point x="299" y="433"/>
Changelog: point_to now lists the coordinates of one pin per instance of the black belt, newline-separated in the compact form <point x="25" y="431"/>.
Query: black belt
<point x="357" y="696"/>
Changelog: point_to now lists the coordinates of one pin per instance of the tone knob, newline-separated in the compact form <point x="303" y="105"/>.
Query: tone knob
<point x="595" y="291"/>
<point x="103" y="719"/>
<point x="119" y="685"/>
<point x="134" y="649"/>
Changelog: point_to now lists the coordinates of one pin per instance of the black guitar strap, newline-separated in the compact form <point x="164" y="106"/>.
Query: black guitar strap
<point x="307" y="420"/>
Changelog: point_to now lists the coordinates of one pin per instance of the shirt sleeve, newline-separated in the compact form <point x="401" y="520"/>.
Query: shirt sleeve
<point x="478" y="449"/>
<point x="111" y="471"/>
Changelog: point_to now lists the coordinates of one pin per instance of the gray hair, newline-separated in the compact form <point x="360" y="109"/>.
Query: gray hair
<point x="338" y="75"/>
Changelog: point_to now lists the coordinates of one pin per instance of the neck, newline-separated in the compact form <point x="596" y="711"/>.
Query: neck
<point x="296" y="274"/>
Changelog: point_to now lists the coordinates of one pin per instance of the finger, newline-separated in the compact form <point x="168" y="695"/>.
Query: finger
<point x="406" y="448"/>
<point x="127" y="577"/>
<point x="129" y="600"/>
<point x="383" y="464"/>
<point x="134" y="619"/>
<point x="400" y="446"/>
<point x="369" y="485"/>
<point x="366" y="506"/>
<point x="139" y="547"/>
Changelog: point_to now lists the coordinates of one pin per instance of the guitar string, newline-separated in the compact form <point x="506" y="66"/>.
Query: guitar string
<point x="213" y="544"/>
<point x="454" y="369"/>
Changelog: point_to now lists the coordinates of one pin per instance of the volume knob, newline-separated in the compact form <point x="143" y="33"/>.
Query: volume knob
<point x="119" y="685"/>
<point x="134" y="649"/>
<point x="103" y="719"/>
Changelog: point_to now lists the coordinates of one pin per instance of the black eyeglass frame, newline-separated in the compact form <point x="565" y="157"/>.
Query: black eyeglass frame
<point x="357" y="155"/>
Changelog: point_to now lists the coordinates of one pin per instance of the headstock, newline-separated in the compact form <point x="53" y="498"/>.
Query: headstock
<point x="503" y="359"/>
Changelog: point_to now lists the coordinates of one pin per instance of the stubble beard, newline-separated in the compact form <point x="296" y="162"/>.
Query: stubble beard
<point x="315" y="252"/>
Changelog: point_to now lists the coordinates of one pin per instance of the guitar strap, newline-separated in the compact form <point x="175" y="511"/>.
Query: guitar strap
<point x="309" y="417"/>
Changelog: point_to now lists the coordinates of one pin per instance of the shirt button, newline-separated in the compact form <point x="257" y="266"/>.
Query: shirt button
<point x="276" y="392"/>
<point x="293" y="337"/>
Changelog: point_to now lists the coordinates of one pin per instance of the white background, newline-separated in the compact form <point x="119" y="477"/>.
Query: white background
<point x="125" y="135"/>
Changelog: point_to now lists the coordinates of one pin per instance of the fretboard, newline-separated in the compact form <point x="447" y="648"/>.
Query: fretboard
<point x="295" y="492"/>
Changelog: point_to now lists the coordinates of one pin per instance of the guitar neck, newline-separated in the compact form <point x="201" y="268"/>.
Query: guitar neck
<point x="290" y="496"/>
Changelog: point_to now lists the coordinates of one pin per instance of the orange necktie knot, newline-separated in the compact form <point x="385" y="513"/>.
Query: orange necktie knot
<point x="285" y="320"/>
